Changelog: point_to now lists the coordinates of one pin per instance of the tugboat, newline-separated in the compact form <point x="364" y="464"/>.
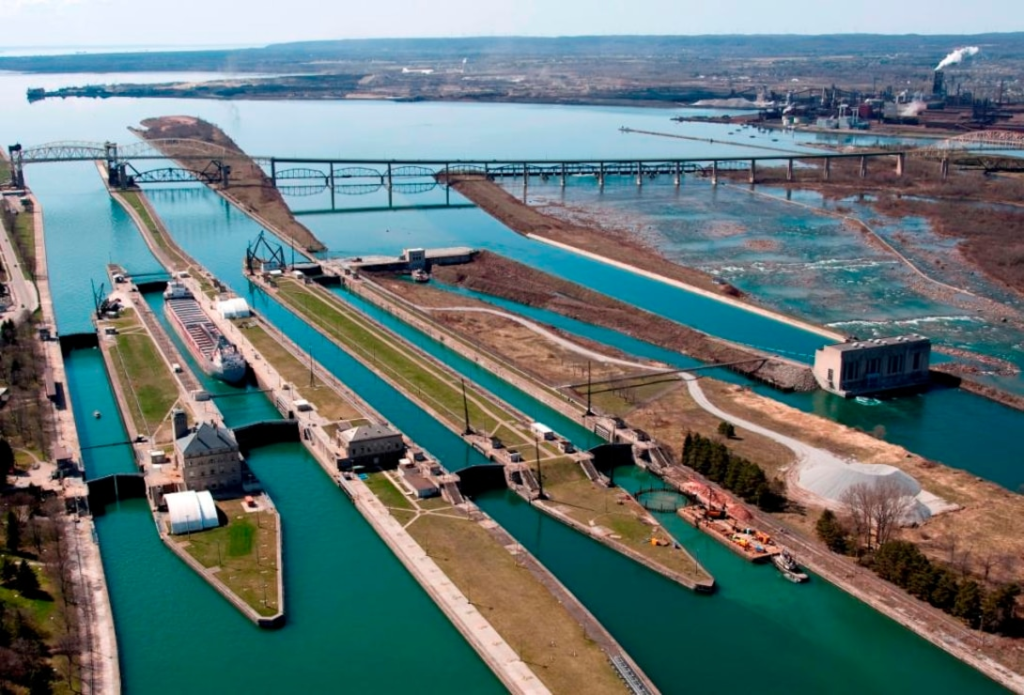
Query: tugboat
<point x="786" y="564"/>
<point x="97" y="414"/>
<point x="420" y="276"/>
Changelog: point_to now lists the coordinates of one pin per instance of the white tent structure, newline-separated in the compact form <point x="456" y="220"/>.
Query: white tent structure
<point x="234" y="308"/>
<point x="191" y="511"/>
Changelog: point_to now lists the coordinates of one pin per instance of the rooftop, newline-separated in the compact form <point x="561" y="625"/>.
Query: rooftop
<point x="880" y="342"/>
<point x="368" y="432"/>
<point x="206" y="439"/>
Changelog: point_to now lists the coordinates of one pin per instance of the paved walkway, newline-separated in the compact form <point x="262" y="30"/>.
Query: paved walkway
<point x="550" y="335"/>
<point x="24" y="295"/>
<point x="100" y="665"/>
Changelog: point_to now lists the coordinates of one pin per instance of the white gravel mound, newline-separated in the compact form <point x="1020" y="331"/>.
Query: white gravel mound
<point x="830" y="479"/>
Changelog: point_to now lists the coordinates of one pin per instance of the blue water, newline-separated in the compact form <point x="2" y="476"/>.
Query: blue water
<point x="339" y="574"/>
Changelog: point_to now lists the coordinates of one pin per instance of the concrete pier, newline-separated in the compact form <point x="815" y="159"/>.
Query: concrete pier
<point x="100" y="661"/>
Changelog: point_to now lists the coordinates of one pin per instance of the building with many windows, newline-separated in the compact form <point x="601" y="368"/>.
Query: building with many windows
<point x="865" y="367"/>
<point x="209" y="458"/>
<point x="370" y="445"/>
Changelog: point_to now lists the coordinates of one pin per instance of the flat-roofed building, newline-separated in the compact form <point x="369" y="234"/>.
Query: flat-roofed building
<point x="865" y="367"/>
<point x="370" y="445"/>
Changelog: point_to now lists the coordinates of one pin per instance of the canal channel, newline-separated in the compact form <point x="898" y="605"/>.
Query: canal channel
<point x="682" y="640"/>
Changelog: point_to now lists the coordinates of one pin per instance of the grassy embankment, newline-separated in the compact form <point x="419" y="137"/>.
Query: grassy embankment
<point x="168" y="247"/>
<point x="523" y="611"/>
<point x="577" y="497"/>
<point x="245" y="550"/>
<point x="442" y="392"/>
<point x="145" y="378"/>
<point x="326" y="401"/>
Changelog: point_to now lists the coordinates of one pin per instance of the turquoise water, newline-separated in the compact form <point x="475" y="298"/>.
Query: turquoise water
<point x="347" y="594"/>
<point x="354" y="613"/>
<point x="762" y="603"/>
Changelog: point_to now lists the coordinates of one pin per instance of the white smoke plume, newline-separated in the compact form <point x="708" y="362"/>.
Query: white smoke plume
<point x="957" y="56"/>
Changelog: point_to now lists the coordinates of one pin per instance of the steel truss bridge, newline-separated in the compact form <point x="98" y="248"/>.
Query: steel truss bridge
<point x="196" y="160"/>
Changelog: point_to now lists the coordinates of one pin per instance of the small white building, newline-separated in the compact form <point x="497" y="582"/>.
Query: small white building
<point x="190" y="511"/>
<point x="542" y="431"/>
<point x="234" y="308"/>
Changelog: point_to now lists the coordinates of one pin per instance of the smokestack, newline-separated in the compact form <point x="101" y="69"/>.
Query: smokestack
<point x="957" y="56"/>
<point x="939" y="84"/>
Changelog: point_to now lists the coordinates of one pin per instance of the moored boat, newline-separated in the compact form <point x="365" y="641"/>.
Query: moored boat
<point x="216" y="355"/>
<point x="786" y="564"/>
<point x="420" y="276"/>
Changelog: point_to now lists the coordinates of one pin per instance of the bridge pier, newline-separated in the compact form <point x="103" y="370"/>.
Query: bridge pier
<point x="863" y="167"/>
<point x="330" y="180"/>
<point x="753" y="172"/>
<point x="714" y="173"/>
<point x="901" y="163"/>
<point x="944" y="168"/>
<point x="679" y="174"/>
<point x="639" y="174"/>
<point x="789" y="169"/>
<point x="273" y="174"/>
<point x="600" y="175"/>
<point x="827" y="169"/>
<point x="561" y="178"/>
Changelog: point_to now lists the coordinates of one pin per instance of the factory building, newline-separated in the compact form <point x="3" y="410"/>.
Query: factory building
<point x="865" y="367"/>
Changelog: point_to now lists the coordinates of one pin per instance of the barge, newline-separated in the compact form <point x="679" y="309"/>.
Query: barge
<point x="215" y="354"/>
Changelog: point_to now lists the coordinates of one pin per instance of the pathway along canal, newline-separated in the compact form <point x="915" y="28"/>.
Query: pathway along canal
<point x="940" y="425"/>
<point x="682" y="640"/>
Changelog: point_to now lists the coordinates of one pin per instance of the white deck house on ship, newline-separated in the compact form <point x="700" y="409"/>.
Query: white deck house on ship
<point x="865" y="367"/>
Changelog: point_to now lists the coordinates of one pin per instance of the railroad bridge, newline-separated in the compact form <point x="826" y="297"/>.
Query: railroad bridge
<point x="201" y="161"/>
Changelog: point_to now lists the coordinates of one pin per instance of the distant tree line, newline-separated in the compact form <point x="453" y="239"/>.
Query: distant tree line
<point x="717" y="463"/>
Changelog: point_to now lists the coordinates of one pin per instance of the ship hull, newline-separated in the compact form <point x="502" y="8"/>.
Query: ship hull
<point x="192" y="327"/>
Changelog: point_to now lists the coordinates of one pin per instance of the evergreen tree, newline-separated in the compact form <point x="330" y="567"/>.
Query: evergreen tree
<point x="27" y="582"/>
<point x="8" y="571"/>
<point x="967" y="605"/>
<point x="726" y="429"/>
<point x="947" y="586"/>
<point x="6" y="461"/>
<point x="997" y="608"/>
<point x="13" y="531"/>
<point x="831" y="532"/>
<point x="687" y="457"/>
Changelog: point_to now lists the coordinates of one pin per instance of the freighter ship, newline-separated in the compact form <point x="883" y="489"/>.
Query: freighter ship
<point x="216" y="355"/>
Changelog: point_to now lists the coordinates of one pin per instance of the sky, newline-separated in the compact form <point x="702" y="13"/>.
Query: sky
<point x="63" y="23"/>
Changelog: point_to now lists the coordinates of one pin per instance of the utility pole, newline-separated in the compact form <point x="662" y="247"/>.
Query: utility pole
<point x="589" y="411"/>
<point x="465" y="409"/>
<point x="540" y="476"/>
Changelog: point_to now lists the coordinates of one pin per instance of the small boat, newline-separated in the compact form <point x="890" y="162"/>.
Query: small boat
<point x="97" y="414"/>
<point x="420" y="276"/>
<point x="786" y="564"/>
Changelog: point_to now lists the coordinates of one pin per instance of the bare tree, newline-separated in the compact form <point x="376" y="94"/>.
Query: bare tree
<point x="857" y="499"/>
<point x="891" y="506"/>
<point x="877" y="509"/>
